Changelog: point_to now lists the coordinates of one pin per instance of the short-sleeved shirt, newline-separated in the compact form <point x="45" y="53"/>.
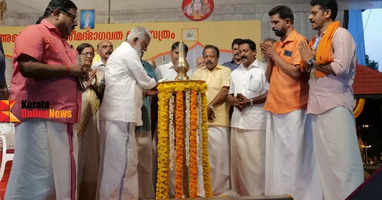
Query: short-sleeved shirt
<point x="335" y="90"/>
<point x="250" y="82"/>
<point x="44" y="43"/>
<point x="287" y="94"/>
<point x="99" y="66"/>
<point x="216" y="79"/>
<point x="166" y="72"/>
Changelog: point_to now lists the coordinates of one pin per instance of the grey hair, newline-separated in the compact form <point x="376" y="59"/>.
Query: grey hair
<point x="138" y="32"/>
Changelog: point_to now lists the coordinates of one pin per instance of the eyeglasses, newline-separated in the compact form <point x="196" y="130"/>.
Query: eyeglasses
<point x="87" y="54"/>
<point x="74" y="17"/>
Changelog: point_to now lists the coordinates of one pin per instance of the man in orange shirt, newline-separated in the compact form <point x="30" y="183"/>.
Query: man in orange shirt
<point x="289" y="164"/>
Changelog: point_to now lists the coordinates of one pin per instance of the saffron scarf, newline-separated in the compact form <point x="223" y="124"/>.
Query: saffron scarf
<point x="324" y="53"/>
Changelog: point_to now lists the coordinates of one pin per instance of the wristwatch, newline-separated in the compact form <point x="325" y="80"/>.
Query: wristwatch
<point x="251" y="102"/>
<point x="311" y="62"/>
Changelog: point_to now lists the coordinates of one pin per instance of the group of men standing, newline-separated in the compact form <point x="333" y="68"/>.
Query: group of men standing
<point x="291" y="130"/>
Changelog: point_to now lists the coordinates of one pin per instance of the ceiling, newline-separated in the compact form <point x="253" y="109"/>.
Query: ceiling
<point x="23" y="12"/>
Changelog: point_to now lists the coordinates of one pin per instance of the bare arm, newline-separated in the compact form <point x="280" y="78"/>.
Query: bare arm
<point x="230" y="99"/>
<point x="31" y="68"/>
<point x="256" y="100"/>
<point x="268" y="72"/>
<point x="220" y="97"/>
<point x="327" y="69"/>
<point x="260" y="99"/>
<point x="290" y="69"/>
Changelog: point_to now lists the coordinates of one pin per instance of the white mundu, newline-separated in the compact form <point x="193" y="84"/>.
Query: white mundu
<point x="120" y="113"/>
<point x="248" y="132"/>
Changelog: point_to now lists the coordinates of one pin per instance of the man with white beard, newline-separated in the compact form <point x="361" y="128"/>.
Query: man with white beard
<point x="120" y="112"/>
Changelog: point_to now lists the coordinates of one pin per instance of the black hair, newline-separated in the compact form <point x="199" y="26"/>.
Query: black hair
<point x="284" y="12"/>
<point x="56" y="4"/>
<point x="269" y="40"/>
<point x="252" y="44"/>
<point x="209" y="46"/>
<point x="82" y="46"/>
<point x="176" y="45"/>
<point x="235" y="41"/>
<point x="327" y="4"/>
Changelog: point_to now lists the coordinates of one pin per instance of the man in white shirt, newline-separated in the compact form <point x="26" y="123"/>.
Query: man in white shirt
<point x="247" y="93"/>
<point x="166" y="72"/>
<point x="104" y="50"/>
<point x="120" y="111"/>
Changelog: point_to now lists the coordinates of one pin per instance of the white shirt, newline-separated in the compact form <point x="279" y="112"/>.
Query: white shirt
<point x="125" y="78"/>
<point x="99" y="66"/>
<point x="250" y="82"/>
<point x="166" y="72"/>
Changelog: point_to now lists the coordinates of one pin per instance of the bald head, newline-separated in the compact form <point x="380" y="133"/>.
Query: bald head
<point x="104" y="50"/>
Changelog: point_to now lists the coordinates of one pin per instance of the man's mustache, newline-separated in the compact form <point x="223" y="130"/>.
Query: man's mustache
<point x="278" y="32"/>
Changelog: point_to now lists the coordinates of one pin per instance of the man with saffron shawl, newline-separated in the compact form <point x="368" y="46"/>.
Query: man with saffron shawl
<point x="332" y="63"/>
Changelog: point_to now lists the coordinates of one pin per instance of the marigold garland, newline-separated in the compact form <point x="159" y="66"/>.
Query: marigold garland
<point x="201" y="191"/>
<point x="187" y="127"/>
<point x="179" y="144"/>
<point x="197" y="126"/>
<point x="193" y="177"/>
<point x="206" y="161"/>
<point x="162" y="161"/>
<point x="171" y="132"/>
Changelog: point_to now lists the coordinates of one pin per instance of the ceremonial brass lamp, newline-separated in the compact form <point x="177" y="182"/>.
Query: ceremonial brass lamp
<point x="182" y="66"/>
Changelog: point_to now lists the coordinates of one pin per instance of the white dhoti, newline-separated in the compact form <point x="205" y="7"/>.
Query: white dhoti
<point x="132" y="184"/>
<point x="114" y="175"/>
<point x="44" y="163"/>
<point x="218" y="149"/>
<point x="290" y="166"/>
<point x="248" y="161"/>
<point x="337" y="153"/>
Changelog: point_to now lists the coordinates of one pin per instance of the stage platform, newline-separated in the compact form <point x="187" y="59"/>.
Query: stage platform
<point x="278" y="197"/>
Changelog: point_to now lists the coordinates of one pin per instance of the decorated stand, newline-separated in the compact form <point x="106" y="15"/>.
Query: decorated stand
<point x="183" y="136"/>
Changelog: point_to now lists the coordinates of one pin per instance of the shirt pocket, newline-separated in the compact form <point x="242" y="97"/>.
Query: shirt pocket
<point x="255" y="84"/>
<point x="215" y="84"/>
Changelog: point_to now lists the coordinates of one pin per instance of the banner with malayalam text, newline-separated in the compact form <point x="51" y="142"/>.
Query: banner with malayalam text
<point x="194" y="34"/>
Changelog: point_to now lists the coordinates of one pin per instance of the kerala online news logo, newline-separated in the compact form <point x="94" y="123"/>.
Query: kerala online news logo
<point x="5" y="111"/>
<point x="31" y="109"/>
